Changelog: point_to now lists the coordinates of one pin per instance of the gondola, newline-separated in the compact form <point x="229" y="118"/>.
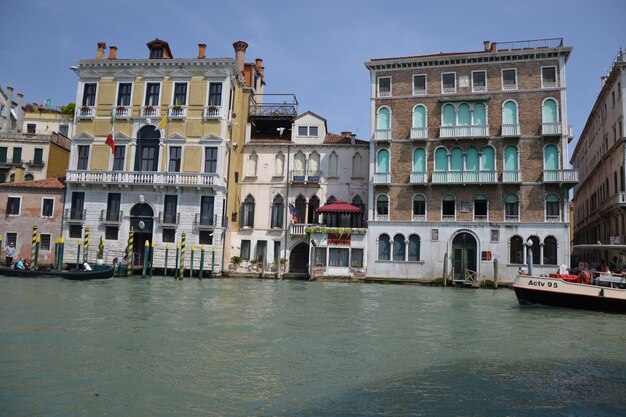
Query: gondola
<point x="78" y="275"/>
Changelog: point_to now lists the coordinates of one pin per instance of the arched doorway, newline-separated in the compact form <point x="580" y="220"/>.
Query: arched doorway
<point x="147" y="155"/>
<point x="142" y="222"/>
<point x="464" y="254"/>
<point x="299" y="258"/>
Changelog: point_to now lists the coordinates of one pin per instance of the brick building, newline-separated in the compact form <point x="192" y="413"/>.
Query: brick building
<point x="468" y="158"/>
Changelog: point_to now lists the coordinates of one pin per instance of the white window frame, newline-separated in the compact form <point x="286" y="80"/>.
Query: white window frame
<point x="390" y="94"/>
<point x="483" y="89"/>
<point x="210" y="80"/>
<point x="413" y="215"/>
<point x="420" y="92"/>
<point x="82" y="92"/>
<point x="545" y="209"/>
<point x="556" y="77"/>
<point x="174" y="82"/>
<point x="19" y="212"/>
<point x="180" y="145"/>
<point x="455" y="83"/>
<point x="53" y="204"/>
<point x="117" y="91"/>
<point x="502" y="79"/>
<point x="145" y="91"/>
<point x="308" y="131"/>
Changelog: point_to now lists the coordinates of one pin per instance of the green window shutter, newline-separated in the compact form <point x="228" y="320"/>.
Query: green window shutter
<point x="509" y="113"/>
<point x="464" y="115"/>
<point x="480" y="197"/>
<point x="383" y="119"/>
<point x="38" y="159"/>
<point x="472" y="159"/>
<point x="441" y="159"/>
<point x="448" y="197"/>
<point x="456" y="159"/>
<point x="510" y="158"/>
<point x="419" y="116"/>
<point x="551" y="157"/>
<point x="480" y="115"/>
<point x="383" y="161"/>
<point x="3" y="155"/>
<point x="419" y="160"/>
<point x="419" y="197"/>
<point x="448" y="115"/>
<point x="511" y="198"/>
<point x="489" y="163"/>
<point x="17" y="155"/>
<point x="552" y="198"/>
<point x="549" y="114"/>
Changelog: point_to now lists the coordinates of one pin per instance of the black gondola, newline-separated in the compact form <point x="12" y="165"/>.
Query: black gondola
<point x="78" y="275"/>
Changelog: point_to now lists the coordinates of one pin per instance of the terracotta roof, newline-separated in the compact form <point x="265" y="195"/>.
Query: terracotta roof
<point x="428" y="55"/>
<point x="339" y="139"/>
<point x="48" y="183"/>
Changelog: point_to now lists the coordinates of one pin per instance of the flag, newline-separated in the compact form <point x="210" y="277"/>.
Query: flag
<point x="294" y="213"/>
<point x="110" y="140"/>
<point x="162" y="123"/>
<point x="48" y="103"/>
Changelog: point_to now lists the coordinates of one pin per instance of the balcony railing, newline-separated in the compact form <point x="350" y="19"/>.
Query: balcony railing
<point x="464" y="177"/>
<point x="107" y="216"/>
<point x="169" y="219"/>
<point x="274" y="105"/>
<point x="382" y="217"/>
<point x="122" y="112"/>
<point x="86" y="112"/>
<point x="419" y="178"/>
<point x="511" y="176"/>
<point x="560" y="176"/>
<point x="448" y="90"/>
<point x="177" y="112"/>
<point x="75" y="216"/>
<point x="204" y="220"/>
<point x="419" y="133"/>
<point x="212" y="112"/>
<point x="550" y="129"/>
<point x="616" y="201"/>
<point x="478" y="131"/>
<point x="419" y="217"/>
<point x="448" y="217"/>
<point x="150" y="111"/>
<point x="382" y="134"/>
<point x="34" y="163"/>
<point x="553" y="218"/>
<point x="384" y="94"/>
<point x="382" y="178"/>
<point x="549" y="84"/>
<point x="511" y="130"/>
<point x="511" y="217"/>
<point x="481" y="218"/>
<point x="148" y="178"/>
<point x="509" y="87"/>
<point x="308" y="177"/>
<point x="297" y="229"/>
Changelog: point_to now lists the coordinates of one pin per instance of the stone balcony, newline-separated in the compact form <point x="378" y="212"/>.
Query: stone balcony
<point x="178" y="179"/>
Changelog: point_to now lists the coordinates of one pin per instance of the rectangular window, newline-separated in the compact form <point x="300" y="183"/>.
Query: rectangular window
<point x="509" y="79"/>
<point x="175" y="157"/>
<point x="13" y="206"/>
<point x="89" y="94"/>
<point x="83" y="157"/>
<point x="210" y="160"/>
<point x="114" y="202"/>
<point x="76" y="231"/>
<point x="170" y="209"/>
<point x="320" y="257"/>
<point x="45" y="242"/>
<point x="38" y="156"/>
<point x="245" y="250"/>
<point x="206" y="237"/>
<point x="152" y="94"/>
<point x="313" y="131"/>
<point x="215" y="94"/>
<point x="123" y="94"/>
<point x="261" y="246"/>
<point x="110" y="232"/>
<point x="339" y="257"/>
<point x="548" y="77"/>
<point x="78" y="204"/>
<point x="118" y="158"/>
<point x="384" y="87"/>
<point x="277" y="252"/>
<point x="3" y="154"/>
<point x="17" y="156"/>
<point x="64" y="130"/>
<point x="479" y="81"/>
<point x="12" y="238"/>
<point x="303" y="131"/>
<point x="357" y="258"/>
<point x="207" y="204"/>
<point x="169" y="235"/>
<point x="448" y="83"/>
<point x="148" y="158"/>
<point x="47" y="207"/>
<point x="180" y="94"/>
<point x="419" y="85"/>
<point x="31" y="128"/>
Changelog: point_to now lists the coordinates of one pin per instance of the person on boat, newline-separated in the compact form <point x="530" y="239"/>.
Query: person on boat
<point x="86" y="267"/>
<point x="10" y="254"/>
<point x="19" y="264"/>
<point x="26" y="263"/>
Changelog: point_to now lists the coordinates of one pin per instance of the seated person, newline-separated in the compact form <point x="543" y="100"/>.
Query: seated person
<point x="26" y="263"/>
<point x="86" y="266"/>
<point x="19" y="264"/>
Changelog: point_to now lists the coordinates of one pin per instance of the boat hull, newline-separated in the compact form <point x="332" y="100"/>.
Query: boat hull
<point x="75" y="276"/>
<point x="559" y="293"/>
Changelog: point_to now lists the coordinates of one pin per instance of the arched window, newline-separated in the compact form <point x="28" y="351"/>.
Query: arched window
<point x="399" y="248"/>
<point x="509" y="113"/>
<point x="419" y="116"/>
<point x="300" y="209"/>
<point x="356" y="220"/>
<point x="511" y="208"/>
<point x="147" y="151"/>
<point x="314" y="204"/>
<point x="382" y="162"/>
<point x="463" y="115"/>
<point x="383" y="121"/>
<point x="382" y="205"/>
<point x="28" y="177"/>
<point x="549" y="112"/>
<point x="549" y="251"/>
<point x="333" y="165"/>
<point x="414" y="248"/>
<point x="357" y="161"/>
<point x="419" y="160"/>
<point x="471" y="159"/>
<point x="441" y="159"/>
<point x="247" y="212"/>
<point x="279" y="165"/>
<point x="278" y="208"/>
<point x="488" y="159"/>
<point x="481" y="208"/>
<point x="480" y="115"/>
<point x="448" y="115"/>
<point x="536" y="250"/>
<point x="553" y="208"/>
<point x="384" y="248"/>
<point x="551" y="157"/>
<point x="516" y="250"/>
<point x="456" y="163"/>
<point x="448" y="208"/>
<point x="419" y="207"/>
<point x="314" y="165"/>
<point x="299" y="166"/>
<point x="252" y="162"/>
<point x="12" y="177"/>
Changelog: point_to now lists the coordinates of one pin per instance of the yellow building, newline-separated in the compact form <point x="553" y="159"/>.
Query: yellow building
<point x="174" y="123"/>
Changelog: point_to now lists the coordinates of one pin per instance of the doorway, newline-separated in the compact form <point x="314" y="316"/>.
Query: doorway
<point x="142" y="221"/>
<point x="299" y="258"/>
<point x="464" y="254"/>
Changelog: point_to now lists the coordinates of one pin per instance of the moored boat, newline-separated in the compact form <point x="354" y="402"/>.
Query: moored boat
<point x="78" y="275"/>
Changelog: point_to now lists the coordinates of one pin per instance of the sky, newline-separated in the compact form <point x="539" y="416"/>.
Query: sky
<point x="313" y="49"/>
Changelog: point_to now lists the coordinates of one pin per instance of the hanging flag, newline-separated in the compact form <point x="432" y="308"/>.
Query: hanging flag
<point x="110" y="140"/>
<point x="162" y="123"/>
<point x="294" y="213"/>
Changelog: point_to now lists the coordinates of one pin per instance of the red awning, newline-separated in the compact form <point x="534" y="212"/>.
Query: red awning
<point x="339" y="206"/>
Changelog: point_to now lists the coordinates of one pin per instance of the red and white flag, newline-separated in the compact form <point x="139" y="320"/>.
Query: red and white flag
<point x="110" y="140"/>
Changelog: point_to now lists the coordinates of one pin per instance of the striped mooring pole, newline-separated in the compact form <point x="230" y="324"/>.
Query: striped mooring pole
<point x="129" y="253"/>
<point x="34" y="243"/>
<point x="193" y="249"/>
<point x="167" y="249"/>
<point x="34" y="265"/>
<point x="101" y="249"/>
<point x="80" y="243"/>
<point x="146" y="257"/>
<point x="201" y="261"/>
<point x="86" y="242"/>
<point x="183" y="237"/>
<point x="176" y="263"/>
<point x="61" y="250"/>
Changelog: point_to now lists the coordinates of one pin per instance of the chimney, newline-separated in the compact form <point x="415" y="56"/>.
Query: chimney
<point x="9" y="104"/>
<point x="113" y="52"/>
<point x="240" y="54"/>
<point x="603" y="79"/>
<point x="20" y="113"/>
<point x="346" y="134"/>
<point x="259" y="65"/>
<point x="201" y="50"/>
<point x="493" y="47"/>
<point x="353" y="139"/>
<point x="101" y="47"/>
<point x="486" y="45"/>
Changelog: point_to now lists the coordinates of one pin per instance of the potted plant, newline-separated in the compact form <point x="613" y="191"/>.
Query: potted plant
<point x="236" y="260"/>
<point x="283" y="264"/>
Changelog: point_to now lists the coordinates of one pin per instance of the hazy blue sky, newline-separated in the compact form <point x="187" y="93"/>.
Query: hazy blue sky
<point x="314" y="49"/>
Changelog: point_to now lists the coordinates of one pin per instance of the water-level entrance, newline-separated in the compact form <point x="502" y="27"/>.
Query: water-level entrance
<point x="464" y="252"/>
<point x="141" y="220"/>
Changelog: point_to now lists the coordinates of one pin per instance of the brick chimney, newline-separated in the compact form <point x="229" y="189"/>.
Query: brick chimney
<point x="493" y="46"/>
<point x="100" y="52"/>
<point x="201" y="50"/>
<point x="486" y="45"/>
<point x="259" y="65"/>
<point x="113" y="52"/>
<point x="9" y="104"/>
<point x="240" y="54"/>
<point x="20" y="113"/>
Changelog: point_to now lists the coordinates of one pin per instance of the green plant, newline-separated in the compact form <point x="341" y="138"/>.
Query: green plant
<point x="236" y="260"/>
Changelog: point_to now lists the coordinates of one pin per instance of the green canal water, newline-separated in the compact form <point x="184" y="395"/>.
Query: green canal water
<point x="236" y="347"/>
